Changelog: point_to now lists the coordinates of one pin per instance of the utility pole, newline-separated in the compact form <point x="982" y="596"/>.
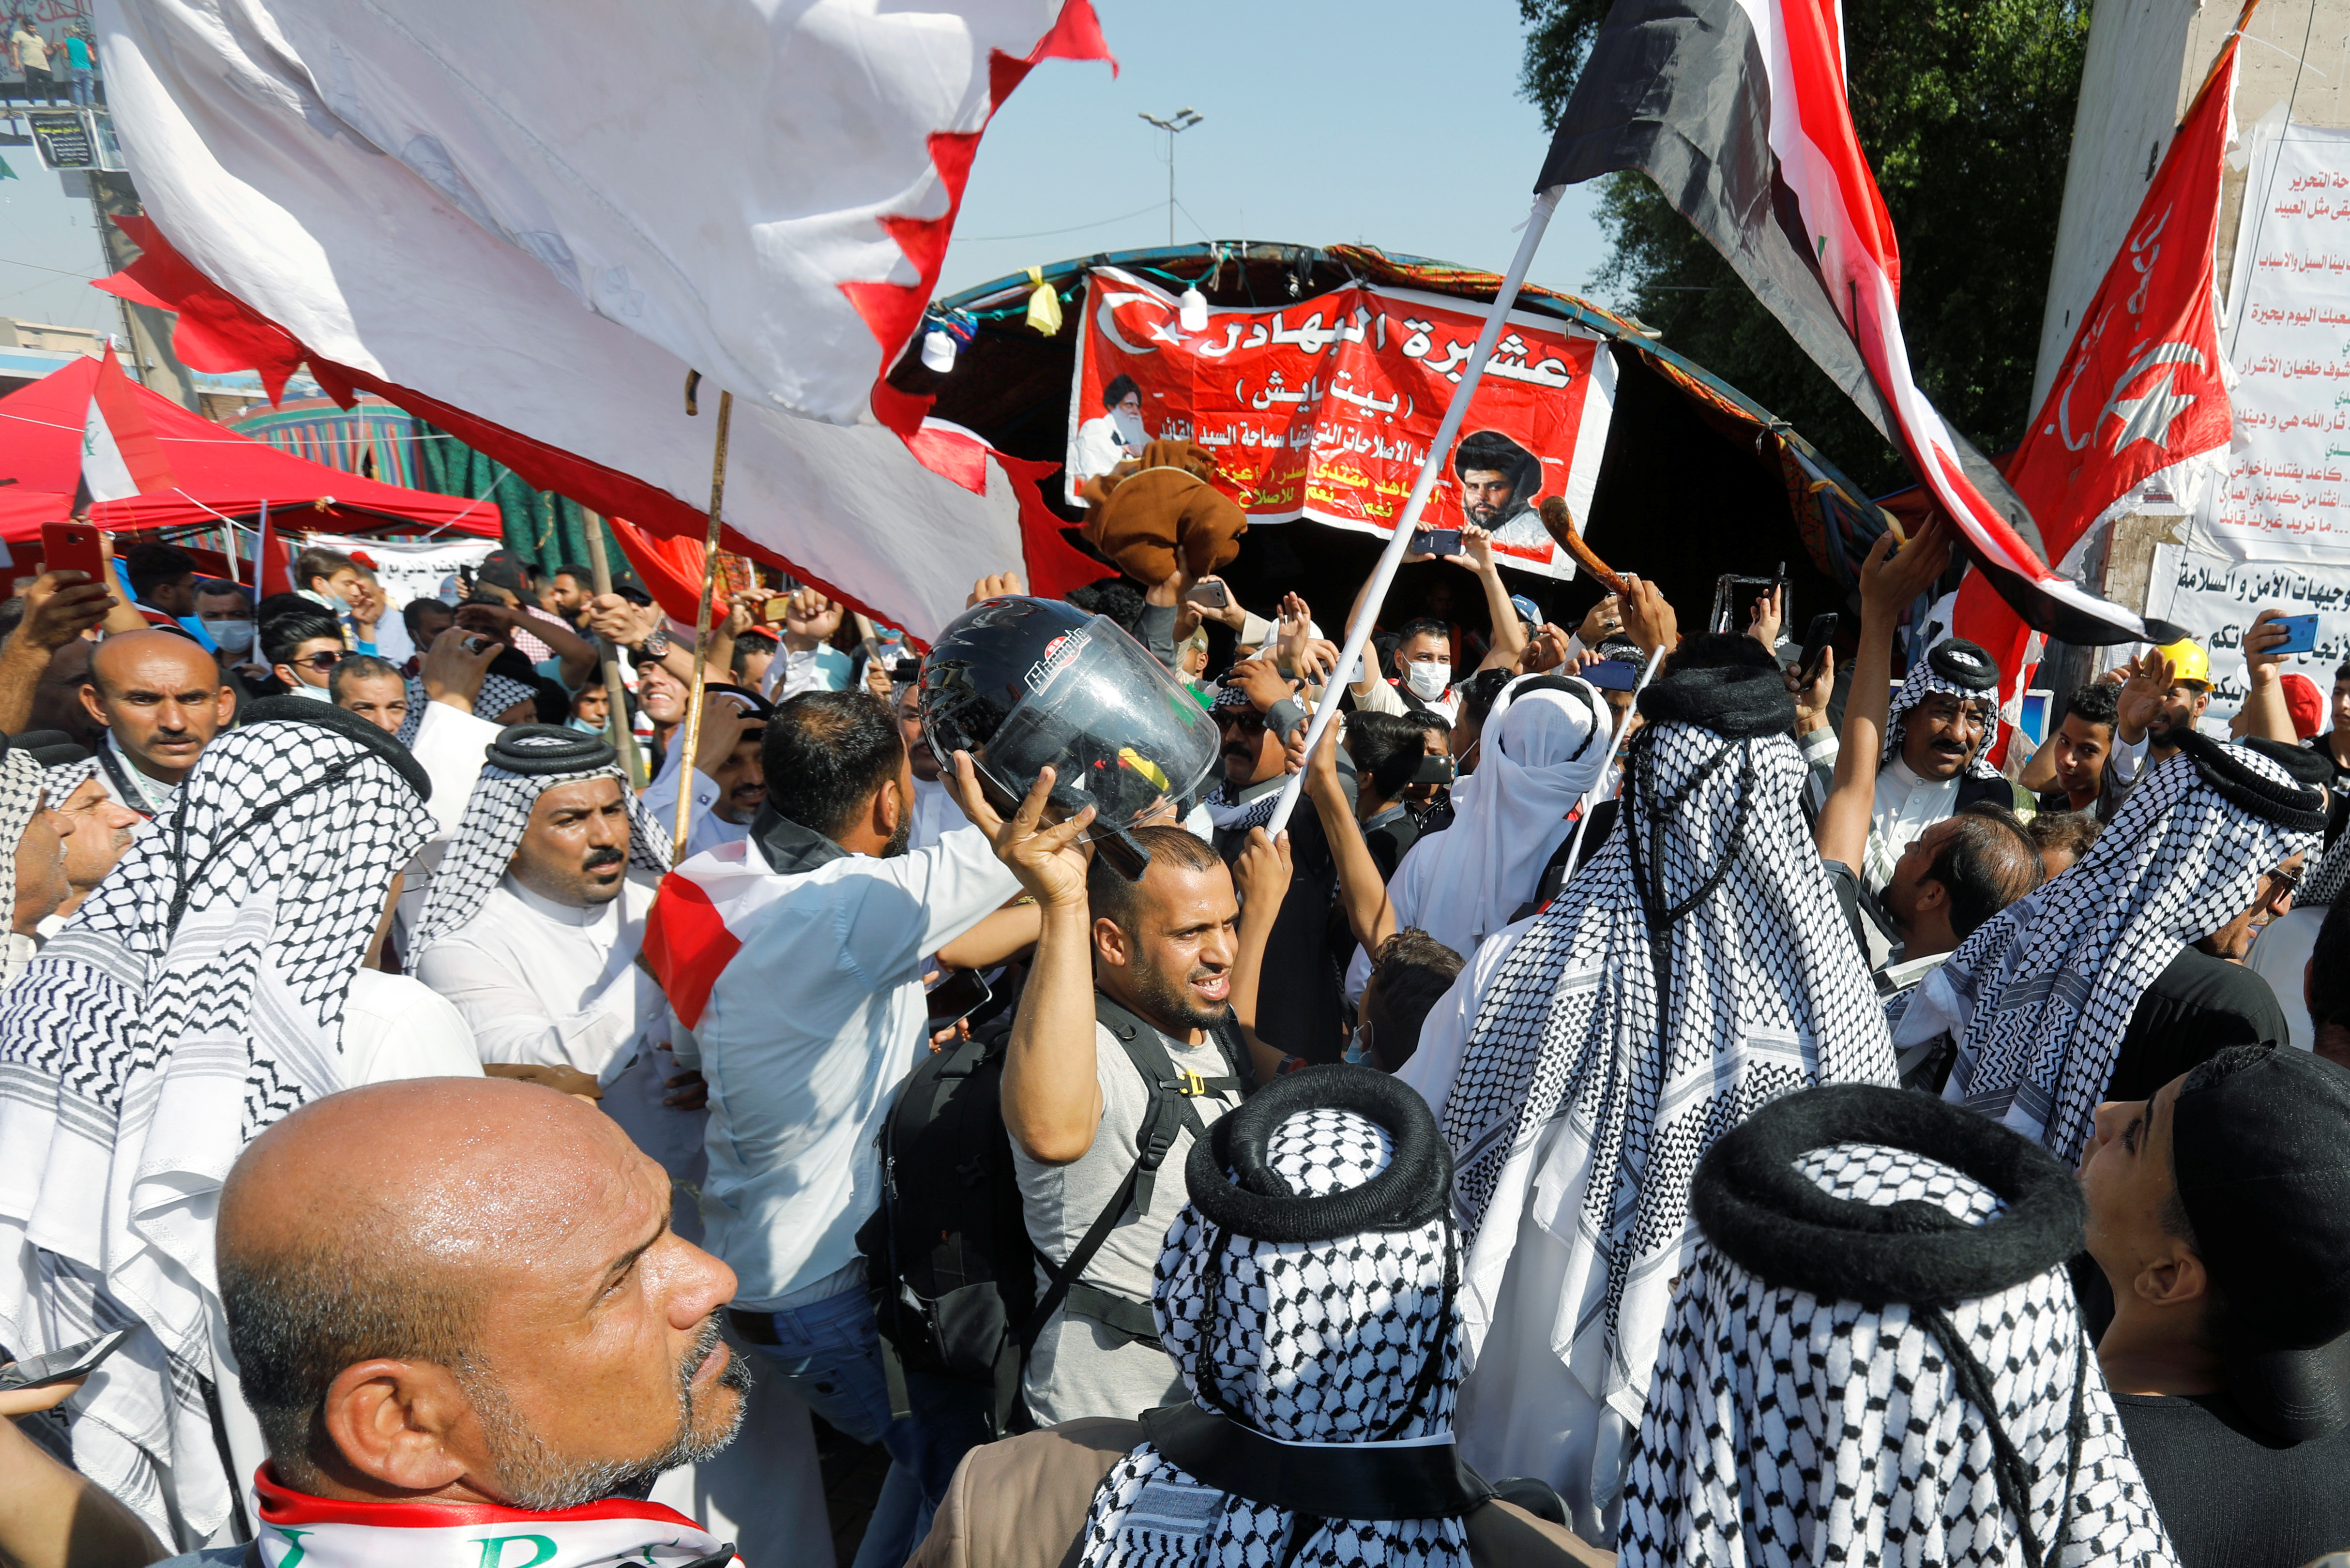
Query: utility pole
<point x="1182" y="120"/>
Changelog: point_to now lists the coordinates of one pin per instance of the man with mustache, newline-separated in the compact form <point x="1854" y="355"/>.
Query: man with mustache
<point x="729" y="780"/>
<point x="160" y="698"/>
<point x="480" y="1340"/>
<point x="532" y="929"/>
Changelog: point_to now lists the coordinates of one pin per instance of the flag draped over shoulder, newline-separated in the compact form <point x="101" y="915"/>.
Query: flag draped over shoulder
<point x="528" y="222"/>
<point x="1736" y="108"/>
<point x="2140" y="394"/>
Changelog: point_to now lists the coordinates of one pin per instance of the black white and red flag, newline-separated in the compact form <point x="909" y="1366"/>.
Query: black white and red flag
<point x="1736" y="110"/>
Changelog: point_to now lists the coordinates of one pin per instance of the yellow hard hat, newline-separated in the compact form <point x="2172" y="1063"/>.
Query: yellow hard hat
<point x="2188" y="661"/>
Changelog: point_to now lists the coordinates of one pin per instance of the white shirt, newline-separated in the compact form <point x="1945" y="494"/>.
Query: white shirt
<point x="806" y="1038"/>
<point x="395" y="1027"/>
<point x="704" y="828"/>
<point x="1101" y="446"/>
<point x="935" y="814"/>
<point x="1907" y="806"/>
<point x="794" y="671"/>
<point x="547" y="984"/>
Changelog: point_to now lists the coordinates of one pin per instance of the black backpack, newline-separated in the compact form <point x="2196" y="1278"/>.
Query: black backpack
<point x="947" y="1259"/>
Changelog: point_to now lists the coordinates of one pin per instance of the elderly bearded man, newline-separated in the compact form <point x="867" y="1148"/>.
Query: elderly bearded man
<point x="479" y="1340"/>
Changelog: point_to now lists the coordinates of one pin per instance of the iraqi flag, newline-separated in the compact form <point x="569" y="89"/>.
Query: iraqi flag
<point x="1736" y="110"/>
<point x="689" y="937"/>
<point x="2139" y="398"/>
<point x="121" y="456"/>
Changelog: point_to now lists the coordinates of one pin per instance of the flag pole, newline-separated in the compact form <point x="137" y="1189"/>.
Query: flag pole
<point x="616" y="695"/>
<point x="1399" y="541"/>
<point x="701" y="629"/>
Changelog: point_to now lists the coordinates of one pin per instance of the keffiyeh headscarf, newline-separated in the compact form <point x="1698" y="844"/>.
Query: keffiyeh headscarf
<point x="1877" y="1357"/>
<point x="196" y="999"/>
<point x="1694" y="970"/>
<point x="1952" y="667"/>
<point x="499" y="694"/>
<point x="524" y="763"/>
<point x="1306" y="1296"/>
<point x="1546" y="743"/>
<point x="2040" y="996"/>
<point x="21" y="783"/>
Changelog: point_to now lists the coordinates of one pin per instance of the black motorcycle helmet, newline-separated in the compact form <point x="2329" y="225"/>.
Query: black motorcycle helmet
<point x="1023" y="684"/>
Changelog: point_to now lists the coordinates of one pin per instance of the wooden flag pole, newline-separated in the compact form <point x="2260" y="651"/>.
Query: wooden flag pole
<point x="701" y="627"/>
<point x="616" y="691"/>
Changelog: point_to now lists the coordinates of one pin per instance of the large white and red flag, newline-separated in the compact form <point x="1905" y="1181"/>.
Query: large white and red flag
<point x="1737" y="109"/>
<point x="527" y="222"/>
<point x="121" y="456"/>
<point x="2140" y="397"/>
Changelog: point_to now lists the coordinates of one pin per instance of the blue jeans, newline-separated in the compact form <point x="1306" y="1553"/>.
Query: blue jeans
<point x="79" y="84"/>
<point x="830" y="1353"/>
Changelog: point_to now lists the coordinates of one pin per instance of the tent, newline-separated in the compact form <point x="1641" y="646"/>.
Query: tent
<point x="1697" y="478"/>
<point x="220" y="474"/>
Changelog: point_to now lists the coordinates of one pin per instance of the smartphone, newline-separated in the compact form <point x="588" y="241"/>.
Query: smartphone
<point x="1733" y="596"/>
<point x="63" y="1365"/>
<point x="1436" y="541"/>
<point x="1212" y="594"/>
<point x="2031" y="716"/>
<point x="1613" y="675"/>
<point x="1817" y="639"/>
<point x="2304" y="637"/>
<point x="774" y="611"/>
<point x="1433" y="770"/>
<point x="72" y="546"/>
<point x="956" y="998"/>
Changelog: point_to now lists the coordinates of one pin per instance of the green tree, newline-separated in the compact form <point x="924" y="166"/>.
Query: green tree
<point x="1965" y="113"/>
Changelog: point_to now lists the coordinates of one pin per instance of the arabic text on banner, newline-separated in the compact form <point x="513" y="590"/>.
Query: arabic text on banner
<point x="1324" y="408"/>
<point x="2287" y="495"/>
<point x="2215" y="599"/>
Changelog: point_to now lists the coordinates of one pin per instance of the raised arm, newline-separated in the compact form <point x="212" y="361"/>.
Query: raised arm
<point x="1887" y="582"/>
<point x="2265" y="714"/>
<point x="1509" y="637"/>
<point x="58" y="608"/>
<point x="1362" y="892"/>
<point x="1051" y="1096"/>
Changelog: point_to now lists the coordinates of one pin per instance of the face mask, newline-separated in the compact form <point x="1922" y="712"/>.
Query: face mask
<point x="233" y="635"/>
<point x="1358" y="1044"/>
<point x="304" y="688"/>
<point x="1429" y="680"/>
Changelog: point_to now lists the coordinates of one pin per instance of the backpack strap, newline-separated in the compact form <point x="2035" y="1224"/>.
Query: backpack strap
<point x="1172" y="1090"/>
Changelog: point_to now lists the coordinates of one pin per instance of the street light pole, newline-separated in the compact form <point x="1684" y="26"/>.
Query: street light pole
<point x="1182" y="120"/>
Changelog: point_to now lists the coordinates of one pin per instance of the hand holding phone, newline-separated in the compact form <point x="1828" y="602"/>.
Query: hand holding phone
<point x="74" y="1362"/>
<point x="956" y="998"/>
<point x="1817" y="641"/>
<point x="73" y="546"/>
<point x="2301" y="637"/>
<point x="1210" y="595"/>
<point x="1442" y="543"/>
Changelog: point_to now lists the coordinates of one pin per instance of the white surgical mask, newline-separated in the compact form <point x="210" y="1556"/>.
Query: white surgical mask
<point x="304" y="688"/>
<point x="1428" y="680"/>
<point x="232" y="635"/>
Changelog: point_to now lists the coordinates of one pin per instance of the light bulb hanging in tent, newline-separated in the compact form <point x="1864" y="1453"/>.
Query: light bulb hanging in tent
<point x="939" y="350"/>
<point x="1191" y="310"/>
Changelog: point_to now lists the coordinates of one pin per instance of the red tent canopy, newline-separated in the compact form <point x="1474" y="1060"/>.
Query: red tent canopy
<point x="218" y="471"/>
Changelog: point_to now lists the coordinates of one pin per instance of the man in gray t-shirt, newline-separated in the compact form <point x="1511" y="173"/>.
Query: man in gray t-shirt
<point x="1160" y="951"/>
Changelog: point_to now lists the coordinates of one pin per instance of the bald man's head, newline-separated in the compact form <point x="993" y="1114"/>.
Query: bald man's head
<point x="466" y="1289"/>
<point x="162" y="696"/>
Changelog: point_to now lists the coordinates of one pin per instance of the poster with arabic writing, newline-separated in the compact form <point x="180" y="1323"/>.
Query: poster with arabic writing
<point x="1324" y="408"/>
<point x="2287" y="495"/>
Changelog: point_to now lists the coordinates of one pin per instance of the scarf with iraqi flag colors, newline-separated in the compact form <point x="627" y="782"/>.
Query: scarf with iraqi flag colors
<point x="298" y="1531"/>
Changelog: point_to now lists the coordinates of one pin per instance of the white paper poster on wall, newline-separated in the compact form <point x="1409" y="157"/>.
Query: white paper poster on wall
<point x="2287" y="495"/>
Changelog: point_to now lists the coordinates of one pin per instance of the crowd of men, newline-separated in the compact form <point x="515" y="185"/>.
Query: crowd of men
<point x="1661" y="1096"/>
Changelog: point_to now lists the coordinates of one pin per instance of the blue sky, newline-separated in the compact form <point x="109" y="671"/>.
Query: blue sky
<point x="1370" y="121"/>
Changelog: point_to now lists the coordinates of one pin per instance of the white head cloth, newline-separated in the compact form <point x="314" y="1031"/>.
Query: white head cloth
<point x="2040" y="996"/>
<point x="499" y="694"/>
<point x="1787" y="1426"/>
<point x="1312" y="1341"/>
<point x="196" y="998"/>
<point x="1543" y="751"/>
<point x="1697" y="968"/>
<point x="498" y="813"/>
<point x="22" y="781"/>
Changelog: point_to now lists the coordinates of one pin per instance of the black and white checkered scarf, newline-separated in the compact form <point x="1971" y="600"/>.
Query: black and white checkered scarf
<point x="196" y="999"/>
<point x="1307" y="1342"/>
<point x="1696" y="969"/>
<point x="496" y="817"/>
<point x="498" y="694"/>
<point x="22" y="782"/>
<point x="1790" y="1424"/>
<point x="1923" y="681"/>
<point x="2040" y="996"/>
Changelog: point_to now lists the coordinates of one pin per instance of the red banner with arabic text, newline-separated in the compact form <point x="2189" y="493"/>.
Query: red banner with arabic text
<point x="1324" y="408"/>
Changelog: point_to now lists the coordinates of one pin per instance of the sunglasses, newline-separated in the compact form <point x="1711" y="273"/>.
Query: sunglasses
<point x="2291" y="880"/>
<point x="321" y="662"/>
